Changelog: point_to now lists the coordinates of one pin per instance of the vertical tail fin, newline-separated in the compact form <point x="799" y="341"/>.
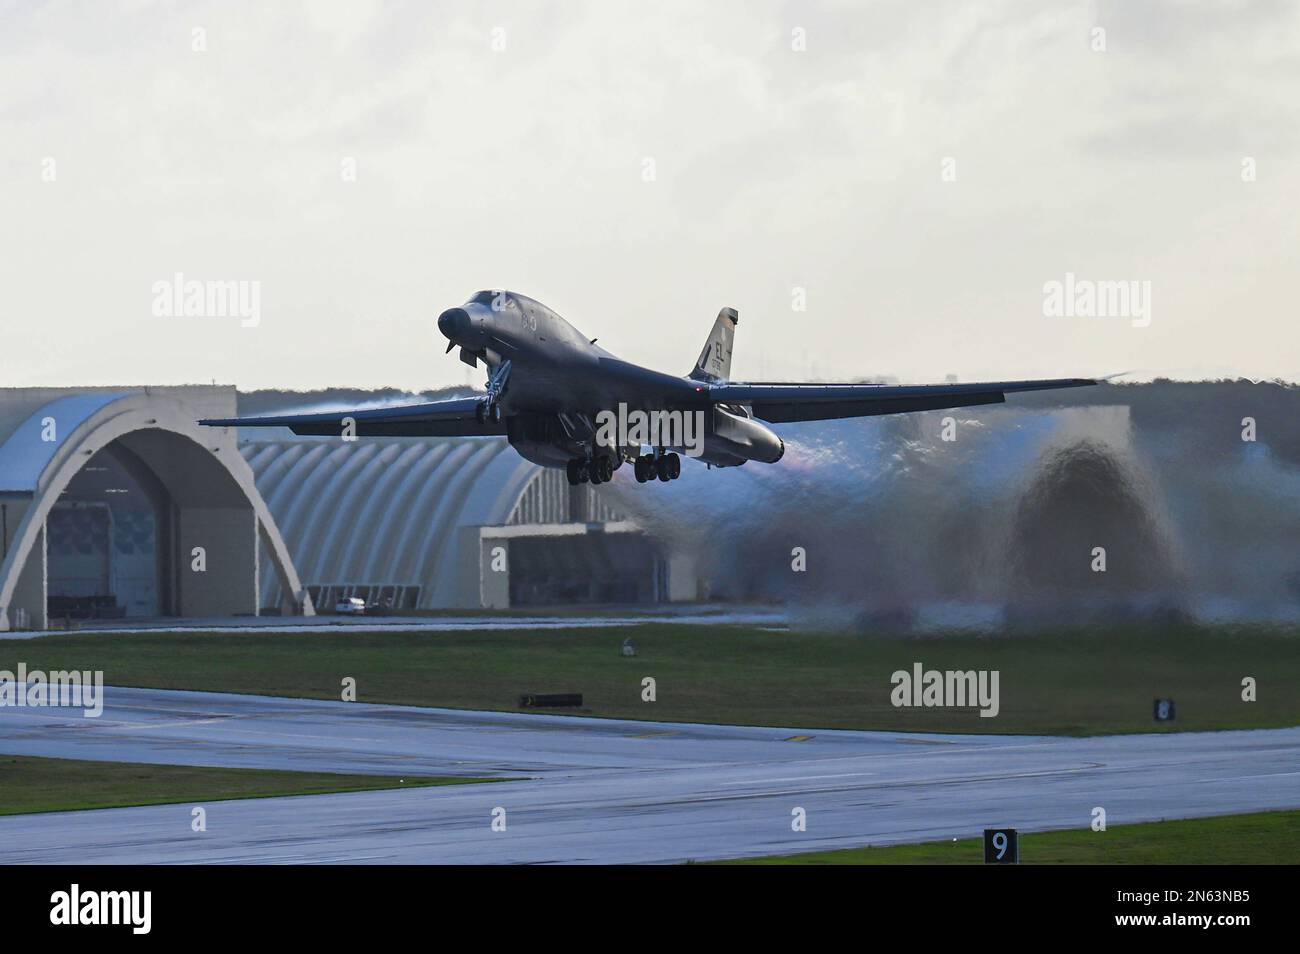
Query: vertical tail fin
<point x="715" y="360"/>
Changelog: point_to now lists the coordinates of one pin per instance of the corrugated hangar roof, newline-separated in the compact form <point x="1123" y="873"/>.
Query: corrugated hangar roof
<point x="390" y="512"/>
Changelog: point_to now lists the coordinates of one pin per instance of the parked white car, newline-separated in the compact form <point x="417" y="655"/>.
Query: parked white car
<point x="350" y="606"/>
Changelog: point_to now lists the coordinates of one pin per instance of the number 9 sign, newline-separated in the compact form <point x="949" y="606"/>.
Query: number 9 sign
<point x="1001" y="846"/>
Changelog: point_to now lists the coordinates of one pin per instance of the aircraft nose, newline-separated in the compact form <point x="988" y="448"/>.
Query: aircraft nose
<point x="454" y="324"/>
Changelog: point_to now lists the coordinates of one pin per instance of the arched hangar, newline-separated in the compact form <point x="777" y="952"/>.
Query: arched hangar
<point x="116" y="503"/>
<point x="433" y="523"/>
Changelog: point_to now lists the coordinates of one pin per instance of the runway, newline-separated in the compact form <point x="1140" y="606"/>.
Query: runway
<point x="595" y="790"/>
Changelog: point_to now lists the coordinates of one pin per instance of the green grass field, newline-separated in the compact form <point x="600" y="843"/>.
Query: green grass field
<point x="1075" y="683"/>
<point x="30" y="784"/>
<point x="1263" y="838"/>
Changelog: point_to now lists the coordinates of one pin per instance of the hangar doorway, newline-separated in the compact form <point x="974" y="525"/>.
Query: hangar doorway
<point x="576" y="568"/>
<point x="103" y="541"/>
<point x="154" y="514"/>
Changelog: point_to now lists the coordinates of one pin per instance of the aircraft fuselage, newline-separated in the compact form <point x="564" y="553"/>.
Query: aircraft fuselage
<point x="563" y="401"/>
<point x="558" y="381"/>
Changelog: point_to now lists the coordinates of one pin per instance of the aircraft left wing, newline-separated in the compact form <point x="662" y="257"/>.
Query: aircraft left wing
<point x="780" y="403"/>
<point x="455" y="418"/>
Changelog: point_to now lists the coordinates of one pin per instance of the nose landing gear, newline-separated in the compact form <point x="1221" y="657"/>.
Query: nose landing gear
<point x="489" y="409"/>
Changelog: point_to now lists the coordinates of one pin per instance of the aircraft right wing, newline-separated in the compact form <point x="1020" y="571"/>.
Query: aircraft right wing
<point x="457" y="417"/>
<point x="781" y="403"/>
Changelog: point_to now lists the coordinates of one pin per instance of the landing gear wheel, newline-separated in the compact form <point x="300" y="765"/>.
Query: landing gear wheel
<point x="494" y="413"/>
<point x="667" y="467"/>
<point x="606" y="467"/>
<point x="643" y="467"/>
<point x="573" y="470"/>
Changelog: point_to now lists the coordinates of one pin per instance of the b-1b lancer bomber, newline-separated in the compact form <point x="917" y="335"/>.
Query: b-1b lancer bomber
<point x="564" y="401"/>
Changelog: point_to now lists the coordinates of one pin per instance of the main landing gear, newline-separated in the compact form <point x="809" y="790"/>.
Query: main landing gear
<point x="665" y="467"/>
<point x="647" y="467"/>
<point x="597" y="470"/>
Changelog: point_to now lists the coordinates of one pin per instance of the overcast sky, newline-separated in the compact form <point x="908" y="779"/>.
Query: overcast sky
<point x="921" y="170"/>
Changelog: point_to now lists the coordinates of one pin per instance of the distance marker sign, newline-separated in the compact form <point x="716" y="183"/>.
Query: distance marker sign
<point x="1001" y="846"/>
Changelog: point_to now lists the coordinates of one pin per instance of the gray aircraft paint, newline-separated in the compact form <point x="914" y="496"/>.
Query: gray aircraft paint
<point x="548" y="382"/>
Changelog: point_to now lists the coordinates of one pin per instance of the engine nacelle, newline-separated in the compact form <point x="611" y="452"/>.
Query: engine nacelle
<point x="732" y="437"/>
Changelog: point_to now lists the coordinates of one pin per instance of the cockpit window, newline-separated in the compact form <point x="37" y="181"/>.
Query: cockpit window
<point x="496" y="299"/>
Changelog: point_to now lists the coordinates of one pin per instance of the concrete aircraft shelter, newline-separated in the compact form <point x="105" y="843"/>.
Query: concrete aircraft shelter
<point x="421" y="523"/>
<point x="115" y="502"/>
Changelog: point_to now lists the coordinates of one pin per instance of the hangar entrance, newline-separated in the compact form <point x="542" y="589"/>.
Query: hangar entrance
<point x="151" y="514"/>
<point x="586" y="568"/>
<point x="103" y="553"/>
